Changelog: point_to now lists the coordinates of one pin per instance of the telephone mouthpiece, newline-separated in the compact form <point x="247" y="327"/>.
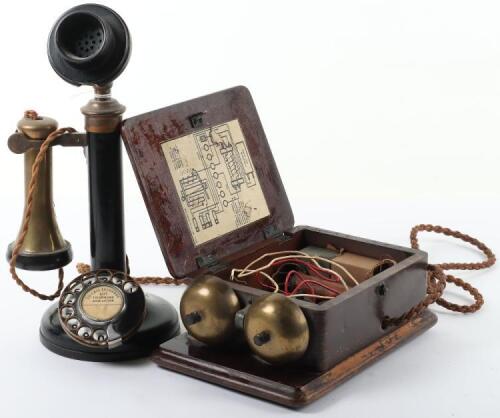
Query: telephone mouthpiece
<point x="89" y="44"/>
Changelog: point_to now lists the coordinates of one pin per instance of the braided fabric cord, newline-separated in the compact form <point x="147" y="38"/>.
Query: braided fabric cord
<point x="437" y="279"/>
<point x="31" y="114"/>
<point x="85" y="268"/>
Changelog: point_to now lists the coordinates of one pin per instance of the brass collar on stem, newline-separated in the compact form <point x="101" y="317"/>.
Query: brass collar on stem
<point x="103" y="114"/>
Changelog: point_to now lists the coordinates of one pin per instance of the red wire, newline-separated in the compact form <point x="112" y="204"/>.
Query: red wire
<point x="285" y="287"/>
<point x="307" y="281"/>
<point x="310" y="265"/>
<point x="259" y="279"/>
<point x="303" y="281"/>
<point x="287" y="279"/>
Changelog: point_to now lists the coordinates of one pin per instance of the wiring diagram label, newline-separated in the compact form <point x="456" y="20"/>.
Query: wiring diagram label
<point x="215" y="180"/>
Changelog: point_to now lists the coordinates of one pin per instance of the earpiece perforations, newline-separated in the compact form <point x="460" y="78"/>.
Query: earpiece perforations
<point x="89" y="42"/>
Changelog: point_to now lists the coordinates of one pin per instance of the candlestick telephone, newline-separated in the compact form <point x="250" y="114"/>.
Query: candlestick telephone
<point x="103" y="314"/>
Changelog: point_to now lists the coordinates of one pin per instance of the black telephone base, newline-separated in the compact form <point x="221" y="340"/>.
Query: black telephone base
<point x="161" y="324"/>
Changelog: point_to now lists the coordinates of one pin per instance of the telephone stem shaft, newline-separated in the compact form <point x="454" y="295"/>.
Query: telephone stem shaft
<point x="104" y="157"/>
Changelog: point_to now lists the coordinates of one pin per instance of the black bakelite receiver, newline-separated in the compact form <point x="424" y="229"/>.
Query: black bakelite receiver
<point x="89" y="44"/>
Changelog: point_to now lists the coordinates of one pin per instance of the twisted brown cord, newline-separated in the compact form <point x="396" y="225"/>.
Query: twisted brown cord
<point x="85" y="268"/>
<point x="437" y="279"/>
<point x="31" y="114"/>
<point x="27" y="214"/>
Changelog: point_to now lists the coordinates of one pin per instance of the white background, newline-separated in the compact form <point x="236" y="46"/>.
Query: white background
<point x="380" y="115"/>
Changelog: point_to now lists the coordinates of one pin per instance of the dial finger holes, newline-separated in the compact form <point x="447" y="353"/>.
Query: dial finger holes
<point x="130" y="287"/>
<point x="67" y="312"/>
<point x="103" y="276"/>
<point x="73" y="324"/>
<point x="118" y="278"/>
<point x="87" y="281"/>
<point x="100" y="335"/>
<point x="69" y="299"/>
<point x="85" y="332"/>
<point x="77" y="287"/>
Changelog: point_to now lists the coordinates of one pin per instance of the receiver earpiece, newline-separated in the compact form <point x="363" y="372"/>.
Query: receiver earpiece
<point x="89" y="44"/>
<point x="43" y="247"/>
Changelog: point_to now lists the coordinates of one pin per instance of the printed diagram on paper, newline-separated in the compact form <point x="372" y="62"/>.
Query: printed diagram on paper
<point x="215" y="180"/>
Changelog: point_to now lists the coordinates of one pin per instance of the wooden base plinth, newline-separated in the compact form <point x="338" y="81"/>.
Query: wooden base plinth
<point x="239" y="370"/>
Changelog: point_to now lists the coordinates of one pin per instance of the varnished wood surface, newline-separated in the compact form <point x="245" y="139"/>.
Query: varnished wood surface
<point x="143" y="136"/>
<point x="237" y="369"/>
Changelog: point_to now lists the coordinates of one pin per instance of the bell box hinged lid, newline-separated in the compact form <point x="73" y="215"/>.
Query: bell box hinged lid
<point x="208" y="178"/>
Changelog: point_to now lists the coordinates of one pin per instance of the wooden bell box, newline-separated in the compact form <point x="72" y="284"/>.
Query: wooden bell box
<point x="217" y="202"/>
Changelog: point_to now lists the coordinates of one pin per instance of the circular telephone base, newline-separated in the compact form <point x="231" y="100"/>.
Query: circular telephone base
<point x="160" y="324"/>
